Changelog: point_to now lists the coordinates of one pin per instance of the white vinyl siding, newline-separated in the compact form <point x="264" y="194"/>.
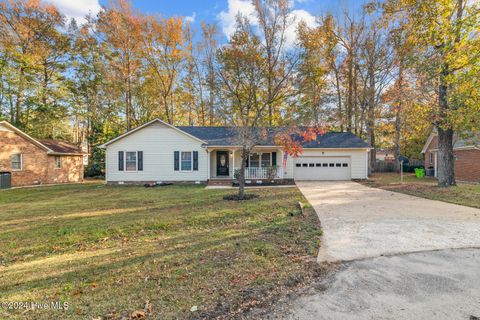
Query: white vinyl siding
<point x="158" y="143"/>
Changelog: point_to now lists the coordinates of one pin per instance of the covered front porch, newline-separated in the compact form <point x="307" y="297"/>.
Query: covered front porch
<point x="263" y="163"/>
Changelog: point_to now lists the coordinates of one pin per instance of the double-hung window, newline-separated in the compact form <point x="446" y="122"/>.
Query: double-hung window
<point x="131" y="161"/>
<point x="254" y="161"/>
<point x="186" y="160"/>
<point x="58" y="162"/>
<point x="265" y="160"/>
<point x="17" y="161"/>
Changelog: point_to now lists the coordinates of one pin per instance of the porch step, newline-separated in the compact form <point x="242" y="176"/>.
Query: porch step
<point x="220" y="182"/>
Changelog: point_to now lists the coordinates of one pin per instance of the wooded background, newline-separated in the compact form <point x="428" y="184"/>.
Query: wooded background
<point x="389" y="74"/>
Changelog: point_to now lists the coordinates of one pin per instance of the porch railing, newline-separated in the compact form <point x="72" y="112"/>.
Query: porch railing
<point x="263" y="173"/>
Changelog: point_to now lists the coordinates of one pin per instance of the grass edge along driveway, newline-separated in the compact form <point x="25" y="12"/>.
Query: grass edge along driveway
<point x="111" y="251"/>
<point x="466" y="194"/>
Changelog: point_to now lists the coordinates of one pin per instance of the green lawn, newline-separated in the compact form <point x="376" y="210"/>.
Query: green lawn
<point x="464" y="194"/>
<point x="108" y="250"/>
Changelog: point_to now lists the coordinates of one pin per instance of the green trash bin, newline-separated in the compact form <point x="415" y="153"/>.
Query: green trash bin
<point x="419" y="172"/>
<point x="5" y="180"/>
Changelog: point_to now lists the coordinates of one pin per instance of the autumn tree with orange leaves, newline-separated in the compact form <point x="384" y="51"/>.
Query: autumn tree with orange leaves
<point x="166" y="47"/>
<point x="121" y="27"/>
<point x="31" y="47"/>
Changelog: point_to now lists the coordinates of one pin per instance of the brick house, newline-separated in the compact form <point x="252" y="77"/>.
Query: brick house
<point x="32" y="161"/>
<point x="467" y="157"/>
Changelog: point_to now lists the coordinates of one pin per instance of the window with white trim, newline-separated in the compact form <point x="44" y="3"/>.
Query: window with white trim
<point x="431" y="157"/>
<point x="254" y="160"/>
<point x="266" y="160"/>
<point x="130" y="161"/>
<point x="17" y="161"/>
<point x="186" y="161"/>
<point x="58" y="162"/>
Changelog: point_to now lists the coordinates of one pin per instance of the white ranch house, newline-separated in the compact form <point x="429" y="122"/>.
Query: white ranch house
<point x="160" y="152"/>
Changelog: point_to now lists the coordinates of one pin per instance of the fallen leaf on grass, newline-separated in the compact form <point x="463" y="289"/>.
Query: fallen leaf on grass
<point x="148" y="308"/>
<point x="138" y="314"/>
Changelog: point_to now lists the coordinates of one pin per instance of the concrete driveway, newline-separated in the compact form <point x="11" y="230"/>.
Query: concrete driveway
<point x="396" y="255"/>
<point x="360" y="222"/>
<point x="440" y="285"/>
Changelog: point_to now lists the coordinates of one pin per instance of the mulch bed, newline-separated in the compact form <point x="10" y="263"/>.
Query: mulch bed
<point x="235" y="197"/>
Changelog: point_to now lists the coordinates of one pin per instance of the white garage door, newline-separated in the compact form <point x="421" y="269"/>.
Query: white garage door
<point x="322" y="168"/>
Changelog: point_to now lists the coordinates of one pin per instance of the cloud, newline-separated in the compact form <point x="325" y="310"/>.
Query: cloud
<point x="297" y="16"/>
<point x="76" y="9"/>
<point x="191" y="19"/>
<point x="227" y="19"/>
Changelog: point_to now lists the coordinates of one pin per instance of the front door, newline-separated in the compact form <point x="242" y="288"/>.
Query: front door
<point x="222" y="163"/>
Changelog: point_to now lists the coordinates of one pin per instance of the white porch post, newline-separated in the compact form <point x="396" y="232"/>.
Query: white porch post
<point x="208" y="164"/>
<point x="281" y="165"/>
<point x="233" y="163"/>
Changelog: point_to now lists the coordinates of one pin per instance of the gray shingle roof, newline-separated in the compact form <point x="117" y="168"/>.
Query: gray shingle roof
<point x="227" y="136"/>
<point x="472" y="139"/>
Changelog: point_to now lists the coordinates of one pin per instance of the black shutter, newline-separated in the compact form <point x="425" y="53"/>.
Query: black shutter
<point x="120" y="160"/>
<point x="274" y="159"/>
<point x="195" y="160"/>
<point x="246" y="162"/>
<point x="176" y="160"/>
<point x="140" y="160"/>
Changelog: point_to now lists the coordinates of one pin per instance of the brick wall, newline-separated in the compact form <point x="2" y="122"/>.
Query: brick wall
<point x="71" y="169"/>
<point x="467" y="165"/>
<point x="38" y="167"/>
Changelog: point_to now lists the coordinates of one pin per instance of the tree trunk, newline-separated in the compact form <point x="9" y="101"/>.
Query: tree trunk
<point x="241" y="176"/>
<point x="445" y="166"/>
<point x="128" y="93"/>
<point x="18" y="106"/>
<point x="167" y="110"/>
<point x="339" y="98"/>
<point x="356" y="109"/>
<point x="269" y="97"/>
<point x="398" y="116"/>
<point x="350" y="92"/>
<point x="371" y="116"/>
<point x="398" y="135"/>
<point x="211" y="94"/>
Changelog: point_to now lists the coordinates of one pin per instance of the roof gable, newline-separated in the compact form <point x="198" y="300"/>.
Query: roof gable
<point x="146" y="125"/>
<point x="24" y="135"/>
<point x="50" y="146"/>
<point x="465" y="141"/>
<point x="429" y="140"/>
